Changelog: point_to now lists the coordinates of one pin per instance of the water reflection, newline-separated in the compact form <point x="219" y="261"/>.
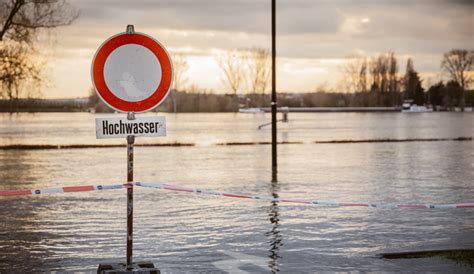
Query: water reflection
<point x="21" y="242"/>
<point x="65" y="232"/>
<point x="274" y="236"/>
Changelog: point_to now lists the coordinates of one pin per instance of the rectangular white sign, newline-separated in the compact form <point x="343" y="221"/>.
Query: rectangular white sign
<point x="151" y="126"/>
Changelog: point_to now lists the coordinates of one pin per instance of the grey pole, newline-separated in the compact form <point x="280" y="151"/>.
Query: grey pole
<point x="274" y="97"/>
<point x="130" y="142"/>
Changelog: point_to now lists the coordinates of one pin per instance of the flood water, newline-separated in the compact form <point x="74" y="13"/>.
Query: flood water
<point x="183" y="232"/>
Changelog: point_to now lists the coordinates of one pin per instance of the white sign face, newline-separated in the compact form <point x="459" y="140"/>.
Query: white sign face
<point x="132" y="72"/>
<point x="152" y="126"/>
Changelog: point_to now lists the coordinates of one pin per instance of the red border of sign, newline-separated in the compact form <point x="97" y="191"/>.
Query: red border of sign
<point x="97" y="72"/>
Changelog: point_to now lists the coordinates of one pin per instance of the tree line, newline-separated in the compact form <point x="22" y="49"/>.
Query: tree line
<point x="380" y="78"/>
<point x="246" y="71"/>
<point x="365" y="81"/>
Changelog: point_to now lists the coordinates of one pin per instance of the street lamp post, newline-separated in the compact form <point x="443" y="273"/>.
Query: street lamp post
<point x="274" y="103"/>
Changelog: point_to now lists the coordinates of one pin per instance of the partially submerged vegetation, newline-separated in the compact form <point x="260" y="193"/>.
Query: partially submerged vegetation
<point x="83" y="146"/>
<point x="394" y="140"/>
<point x="461" y="256"/>
<point x="255" y="143"/>
<point x="178" y="144"/>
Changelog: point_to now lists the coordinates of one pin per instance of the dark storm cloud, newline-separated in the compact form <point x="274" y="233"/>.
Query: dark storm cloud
<point x="461" y="2"/>
<point x="306" y="28"/>
<point x="312" y="34"/>
<point x="293" y="16"/>
<point x="223" y="15"/>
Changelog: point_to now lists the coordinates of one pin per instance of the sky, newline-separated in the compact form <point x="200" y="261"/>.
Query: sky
<point x="314" y="37"/>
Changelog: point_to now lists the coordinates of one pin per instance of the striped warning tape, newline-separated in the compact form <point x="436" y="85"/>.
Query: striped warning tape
<point x="300" y="201"/>
<point x="226" y="194"/>
<point x="38" y="191"/>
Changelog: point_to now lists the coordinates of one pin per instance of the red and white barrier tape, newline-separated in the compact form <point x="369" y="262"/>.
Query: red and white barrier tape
<point x="300" y="201"/>
<point x="38" y="191"/>
<point x="227" y="194"/>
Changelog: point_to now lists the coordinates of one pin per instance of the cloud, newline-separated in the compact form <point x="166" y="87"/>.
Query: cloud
<point x="341" y="23"/>
<point x="310" y="30"/>
<point x="220" y="15"/>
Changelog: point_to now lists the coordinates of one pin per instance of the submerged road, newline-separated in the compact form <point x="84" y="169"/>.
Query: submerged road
<point x="336" y="109"/>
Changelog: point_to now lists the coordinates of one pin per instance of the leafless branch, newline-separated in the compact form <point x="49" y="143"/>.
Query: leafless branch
<point x="231" y="65"/>
<point x="258" y="69"/>
<point x="20" y="23"/>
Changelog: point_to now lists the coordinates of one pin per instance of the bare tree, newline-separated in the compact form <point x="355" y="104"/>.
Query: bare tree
<point x="354" y="74"/>
<point x="180" y="66"/>
<point x="258" y="73"/>
<point x="383" y="66"/>
<point x="393" y="78"/>
<point x="231" y="64"/>
<point x="458" y="63"/>
<point x="21" y="19"/>
<point x="350" y="74"/>
<point x="363" y="75"/>
<point x="16" y="70"/>
<point x="384" y="73"/>
<point x="374" y="70"/>
<point x="20" y="23"/>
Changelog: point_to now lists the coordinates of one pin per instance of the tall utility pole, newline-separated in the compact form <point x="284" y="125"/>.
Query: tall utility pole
<point x="274" y="97"/>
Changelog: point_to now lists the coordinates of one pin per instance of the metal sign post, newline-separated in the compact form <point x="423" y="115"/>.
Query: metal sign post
<point x="130" y="142"/>
<point x="131" y="72"/>
<point x="274" y="97"/>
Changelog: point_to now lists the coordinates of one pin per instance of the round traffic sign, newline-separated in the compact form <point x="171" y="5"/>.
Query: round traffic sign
<point x="132" y="72"/>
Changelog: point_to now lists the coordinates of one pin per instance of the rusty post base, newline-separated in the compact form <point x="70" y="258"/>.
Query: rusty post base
<point x="121" y="268"/>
